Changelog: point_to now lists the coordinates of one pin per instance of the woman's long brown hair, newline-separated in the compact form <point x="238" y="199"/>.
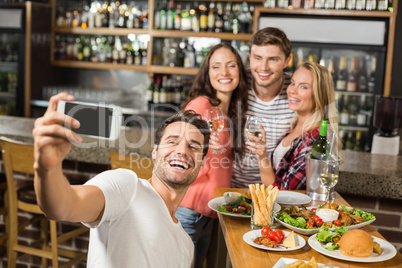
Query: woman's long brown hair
<point x="238" y="102"/>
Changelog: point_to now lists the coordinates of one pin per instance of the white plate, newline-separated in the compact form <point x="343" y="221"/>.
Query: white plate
<point x="285" y="261"/>
<point x="250" y="236"/>
<point x="216" y="202"/>
<point x="292" y="198"/>
<point x="314" y="231"/>
<point x="388" y="251"/>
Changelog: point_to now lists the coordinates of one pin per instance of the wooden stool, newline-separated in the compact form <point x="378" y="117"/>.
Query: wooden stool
<point x="142" y="166"/>
<point x="19" y="157"/>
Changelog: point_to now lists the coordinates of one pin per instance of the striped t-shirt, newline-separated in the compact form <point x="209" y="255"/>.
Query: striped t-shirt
<point x="276" y="117"/>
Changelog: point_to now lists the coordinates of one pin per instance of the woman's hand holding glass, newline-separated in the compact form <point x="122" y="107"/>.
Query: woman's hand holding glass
<point x="256" y="137"/>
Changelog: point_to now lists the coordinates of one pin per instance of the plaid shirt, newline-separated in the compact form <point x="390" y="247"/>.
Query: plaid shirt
<point x="291" y="171"/>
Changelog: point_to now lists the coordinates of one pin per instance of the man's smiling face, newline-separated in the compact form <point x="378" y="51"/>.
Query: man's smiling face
<point x="178" y="157"/>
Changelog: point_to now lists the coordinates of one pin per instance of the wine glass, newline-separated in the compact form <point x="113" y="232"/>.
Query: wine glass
<point x="215" y="120"/>
<point x="329" y="175"/>
<point x="253" y="128"/>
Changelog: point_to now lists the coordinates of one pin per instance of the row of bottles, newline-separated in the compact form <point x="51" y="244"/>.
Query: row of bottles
<point x="215" y="17"/>
<point x="106" y="14"/>
<point x="354" y="110"/>
<point x="9" y="47"/>
<point x="355" y="79"/>
<point x="189" y="53"/>
<point x="352" y="74"/>
<point x="381" y="5"/>
<point x="118" y="49"/>
<point x="355" y="140"/>
<point x="166" y="93"/>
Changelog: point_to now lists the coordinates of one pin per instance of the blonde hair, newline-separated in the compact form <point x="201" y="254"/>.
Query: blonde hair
<point x="323" y="99"/>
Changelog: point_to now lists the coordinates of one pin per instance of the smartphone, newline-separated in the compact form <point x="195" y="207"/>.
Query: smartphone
<point x="98" y="121"/>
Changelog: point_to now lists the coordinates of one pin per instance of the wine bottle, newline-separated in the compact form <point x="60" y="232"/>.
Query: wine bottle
<point x="371" y="82"/>
<point x="353" y="76"/>
<point x="319" y="151"/>
<point x="342" y="74"/>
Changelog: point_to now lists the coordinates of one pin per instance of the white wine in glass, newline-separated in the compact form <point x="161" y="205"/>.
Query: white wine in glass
<point x="216" y="123"/>
<point x="253" y="124"/>
<point x="329" y="175"/>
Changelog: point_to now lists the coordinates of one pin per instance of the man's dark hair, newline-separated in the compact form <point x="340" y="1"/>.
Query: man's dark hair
<point x="190" y="117"/>
<point x="272" y="36"/>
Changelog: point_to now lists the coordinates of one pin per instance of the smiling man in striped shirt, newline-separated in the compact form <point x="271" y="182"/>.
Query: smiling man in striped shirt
<point x="270" y="53"/>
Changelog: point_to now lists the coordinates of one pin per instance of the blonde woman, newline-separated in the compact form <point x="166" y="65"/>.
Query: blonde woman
<point x="311" y="97"/>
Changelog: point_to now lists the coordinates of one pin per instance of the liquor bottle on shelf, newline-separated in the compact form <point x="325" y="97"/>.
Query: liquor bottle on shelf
<point x="80" y="48"/>
<point x="227" y="18"/>
<point x="156" y="94"/>
<point x="137" y="53"/>
<point x="163" y="97"/>
<point x="170" y="16"/>
<point x="319" y="150"/>
<point x="362" y="114"/>
<point x="359" y="143"/>
<point x="150" y="91"/>
<point x="245" y="18"/>
<point x="157" y="16"/>
<point x="177" y="18"/>
<point x="342" y="76"/>
<point x="363" y="80"/>
<point x="382" y="5"/>
<point x="360" y="4"/>
<point x="219" y="18"/>
<point x="353" y="110"/>
<point x="371" y="4"/>
<point x="211" y="17"/>
<point x="177" y="92"/>
<point x="344" y="112"/>
<point x="203" y="18"/>
<point x="163" y="16"/>
<point x="351" y="140"/>
<point x="308" y="4"/>
<point x="270" y="3"/>
<point x="130" y="54"/>
<point x="144" y="53"/>
<point x="190" y="56"/>
<point x="180" y="54"/>
<point x="144" y="19"/>
<point x="340" y="4"/>
<point x="351" y="4"/>
<point x="236" y="27"/>
<point x="195" y="23"/>
<point x="331" y="69"/>
<point x="319" y="4"/>
<point x="296" y="4"/>
<point x="353" y="76"/>
<point x="371" y="82"/>
<point x="329" y="4"/>
<point x="186" y="19"/>
<point x="344" y="136"/>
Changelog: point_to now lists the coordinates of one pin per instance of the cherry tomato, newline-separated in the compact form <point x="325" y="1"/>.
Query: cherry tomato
<point x="248" y="208"/>
<point x="265" y="230"/>
<point x="319" y="223"/>
<point x="309" y="224"/>
<point x="337" y="222"/>
<point x="314" y="210"/>
<point x="316" y="218"/>
<point x="238" y="210"/>
<point x="243" y="205"/>
<point x="274" y="237"/>
<point x="229" y="208"/>
<point x="280" y="234"/>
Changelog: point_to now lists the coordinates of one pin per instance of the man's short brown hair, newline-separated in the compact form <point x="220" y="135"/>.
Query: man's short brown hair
<point x="272" y="36"/>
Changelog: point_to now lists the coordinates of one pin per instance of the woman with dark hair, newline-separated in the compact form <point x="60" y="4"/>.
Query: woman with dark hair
<point x="221" y="82"/>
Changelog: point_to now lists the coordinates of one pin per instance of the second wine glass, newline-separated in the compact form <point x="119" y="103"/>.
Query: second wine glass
<point x="253" y="128"/>
<point x="216" y="123"/>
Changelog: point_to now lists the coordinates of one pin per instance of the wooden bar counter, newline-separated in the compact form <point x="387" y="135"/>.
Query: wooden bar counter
<point x="242" y="254"/>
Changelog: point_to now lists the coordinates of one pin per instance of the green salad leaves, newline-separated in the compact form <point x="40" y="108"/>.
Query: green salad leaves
<point x="326" y="236"/>
<point x="239" y="206"/>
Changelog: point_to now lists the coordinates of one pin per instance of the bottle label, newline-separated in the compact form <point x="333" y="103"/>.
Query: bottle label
<point x="156" y="97"/>
<point x="344" y="118"/>
<point x="351" y="86"/>
<point x="163" y="97"/>
<point x="361" y="119"/>
<point x="186" y="24"/>
<point x="341" y="85"/>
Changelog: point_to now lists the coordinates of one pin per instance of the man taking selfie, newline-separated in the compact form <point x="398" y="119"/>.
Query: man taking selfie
<point x="132" y="220"/>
